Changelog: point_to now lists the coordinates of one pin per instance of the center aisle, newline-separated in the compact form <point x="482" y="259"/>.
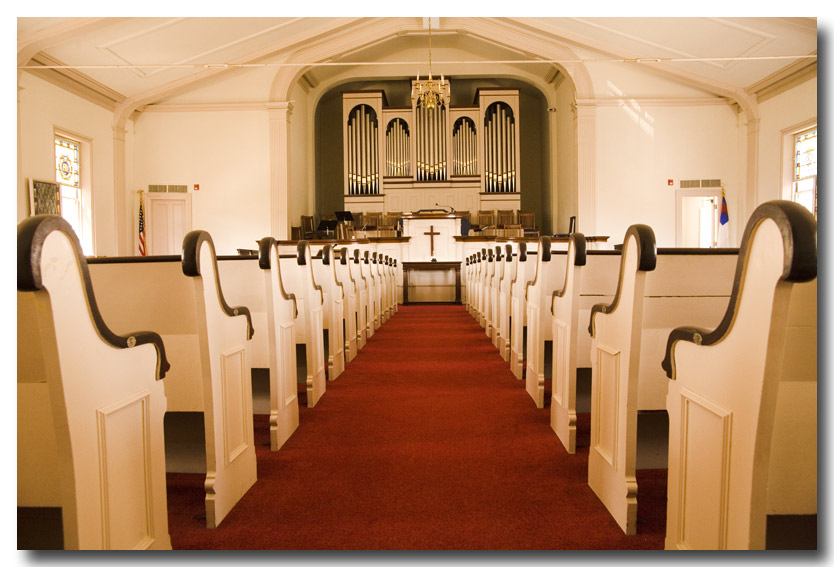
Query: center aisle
<point x="426" y="441"/>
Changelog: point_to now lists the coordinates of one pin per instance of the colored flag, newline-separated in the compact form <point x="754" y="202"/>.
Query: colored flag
<point x="141" y="228"/>
<point x="724" y="224"/>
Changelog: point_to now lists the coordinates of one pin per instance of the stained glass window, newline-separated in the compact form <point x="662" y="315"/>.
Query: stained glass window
<point x="805" y="170"/>
<point x="68" y="175"/>
<point x="66" y="162"/>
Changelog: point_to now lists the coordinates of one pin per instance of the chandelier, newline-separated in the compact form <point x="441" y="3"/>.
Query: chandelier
<point x="430" y="93"/>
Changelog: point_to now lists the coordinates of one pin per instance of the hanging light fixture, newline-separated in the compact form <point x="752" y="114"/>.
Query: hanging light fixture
<point x="430" y="93"/>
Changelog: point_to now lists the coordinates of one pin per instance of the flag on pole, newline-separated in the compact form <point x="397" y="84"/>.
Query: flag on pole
<point x="141" y="227"/>
<point x="724" y="224"/>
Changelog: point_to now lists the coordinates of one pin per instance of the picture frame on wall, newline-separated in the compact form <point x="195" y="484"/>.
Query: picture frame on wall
<point x="44" y="197"/>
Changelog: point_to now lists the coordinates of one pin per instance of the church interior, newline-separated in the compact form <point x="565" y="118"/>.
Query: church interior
<point x="278" y="202"/>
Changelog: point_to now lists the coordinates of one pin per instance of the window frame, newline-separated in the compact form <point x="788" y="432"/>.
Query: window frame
<point x="85" y="192"/>
<point x="788" y="162"/>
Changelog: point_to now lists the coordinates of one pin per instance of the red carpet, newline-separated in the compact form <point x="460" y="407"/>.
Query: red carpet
<point x="426" y="441"/>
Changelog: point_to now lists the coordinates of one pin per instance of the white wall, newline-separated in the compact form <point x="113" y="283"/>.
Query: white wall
<point x="639" y="147"/>
<point x="777" y="114"/>
<point x="225" y="152"/>
<point x="45" y="107"/>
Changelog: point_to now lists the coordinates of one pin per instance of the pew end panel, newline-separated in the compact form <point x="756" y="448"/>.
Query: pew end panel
<point x="615" y="331"/>
<point x="224" y="333"/>
<point x="281" y="314"/>
<point x="750" y="456"/>
<point x="550" y="274"/>
<point x="106" y="399"/>
<point x="596" y="282"/>
<point x="525" y="272"/>
<point x="564" y="321"/>
<point x="324" y="272"/>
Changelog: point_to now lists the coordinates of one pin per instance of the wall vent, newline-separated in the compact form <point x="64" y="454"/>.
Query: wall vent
<point x="697" y="183"/>
<point x="167" y="188"/>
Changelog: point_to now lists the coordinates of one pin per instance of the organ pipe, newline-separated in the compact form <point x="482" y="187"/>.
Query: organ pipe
<point x="435" y="143"/>
<point x="363" y="151"/>
<point x="499" y="149"/>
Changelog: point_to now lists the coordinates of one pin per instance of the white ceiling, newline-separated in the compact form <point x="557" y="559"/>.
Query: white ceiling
<point x="150" y="59"/>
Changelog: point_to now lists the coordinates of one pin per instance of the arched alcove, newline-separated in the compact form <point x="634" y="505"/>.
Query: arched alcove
<point x="536" y="146"/>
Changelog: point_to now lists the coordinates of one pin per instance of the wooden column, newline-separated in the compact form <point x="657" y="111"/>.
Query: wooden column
<point x="586" y="122"/>
<point x="279" y="136"/>
<point x="123" y="219"/>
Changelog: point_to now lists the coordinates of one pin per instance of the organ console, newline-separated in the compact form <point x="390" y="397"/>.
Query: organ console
<point x="408" y="158"/>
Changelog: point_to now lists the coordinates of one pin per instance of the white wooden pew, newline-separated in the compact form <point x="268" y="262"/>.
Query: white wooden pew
<point x="281" y="313"/>
<point x="90" y="402"/>
<point x="373" y="291"/>
<point x="245" y="283"/>
<point x="495" y="294"/>
<point x="382" y="291"/>
<point x="742" y="398"/>
<point x="550" y="273"/>
<point x="208" y="345"/>
<point x="478" y="285"/>
<point x="656" y="292"/>
<point x="224" y="332"/>
<point x="483" y="295"/>
<point x="591" y="276"/>
<point x="297" y="274"/>
<point x="346" y="276"/>
<point x="525" y="271"/>
<point x="468" y="270"/>
<point x="324" y="270"/>
<point x="505" y="301"/>
<point x="472" y="285"/>
<point x="370" y="291"/>
<point x="487" y="291"/>
<point x="361" y="278"/>
<point x="391" y="270"/>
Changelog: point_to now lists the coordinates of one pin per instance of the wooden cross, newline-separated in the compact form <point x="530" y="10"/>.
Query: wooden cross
<point x="431" y="234"/>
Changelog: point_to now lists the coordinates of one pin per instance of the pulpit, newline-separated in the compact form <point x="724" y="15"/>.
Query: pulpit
<point x="433" y="262"/>
<point x="432" y="235"/>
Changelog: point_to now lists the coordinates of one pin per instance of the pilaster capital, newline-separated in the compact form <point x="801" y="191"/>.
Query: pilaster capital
<point x="119" y="133"/>
<point x="280" y="110"/>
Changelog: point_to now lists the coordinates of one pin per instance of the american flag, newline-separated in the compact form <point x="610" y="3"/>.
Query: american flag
<point x="141" y="228"/>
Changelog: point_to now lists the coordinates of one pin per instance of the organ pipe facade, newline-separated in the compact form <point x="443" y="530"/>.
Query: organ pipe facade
<point x="362" y="151"/>
<point x="414" y="146"/>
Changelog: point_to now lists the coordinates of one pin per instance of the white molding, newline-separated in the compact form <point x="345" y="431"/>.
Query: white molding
<point x="689" y="101"/>
<point x="207" y="107"/>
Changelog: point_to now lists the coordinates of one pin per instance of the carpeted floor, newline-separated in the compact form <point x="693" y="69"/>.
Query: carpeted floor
<point x="426" y="441"/>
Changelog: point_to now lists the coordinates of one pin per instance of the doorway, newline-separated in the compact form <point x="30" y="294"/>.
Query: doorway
<point x="697" y="213"/>
<point x="169" y="220"/>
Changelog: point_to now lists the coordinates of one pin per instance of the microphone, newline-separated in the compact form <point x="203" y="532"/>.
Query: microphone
<point x="451" y="209"/>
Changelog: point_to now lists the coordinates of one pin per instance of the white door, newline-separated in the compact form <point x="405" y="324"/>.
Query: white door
<point x="697" y="218"/>
<point x="169" y="220"/>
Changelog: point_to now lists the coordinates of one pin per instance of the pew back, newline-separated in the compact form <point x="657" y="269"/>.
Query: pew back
<point x="656" y="291"/>
<point x="107" y="433"/>
<point x="742" y="397"/>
